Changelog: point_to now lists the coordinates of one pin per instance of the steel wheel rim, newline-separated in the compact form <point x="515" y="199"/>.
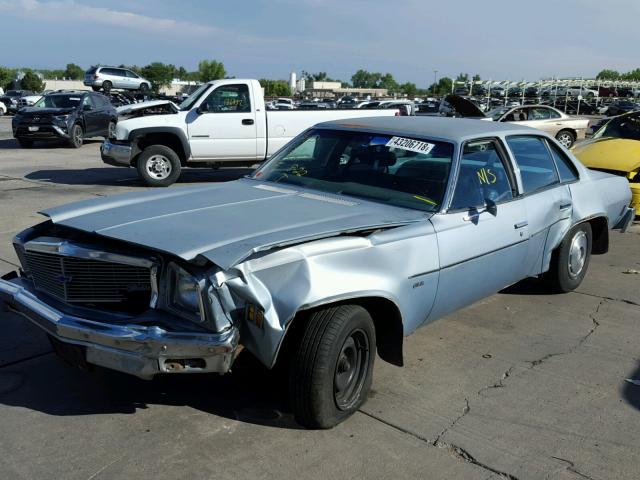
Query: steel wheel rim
<point x="351" y="370"/>
<point x="565" y="139"/>
<point x="158" y="167"/>
<point x="577" y="253"/>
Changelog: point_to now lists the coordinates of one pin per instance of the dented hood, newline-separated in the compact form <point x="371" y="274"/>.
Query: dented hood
<point x="619" y="154"/>
<point x="226" y="222"/>
<point x="133" y="107"/>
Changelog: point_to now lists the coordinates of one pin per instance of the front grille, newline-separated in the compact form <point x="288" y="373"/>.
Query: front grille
<point x="82" y="280"/>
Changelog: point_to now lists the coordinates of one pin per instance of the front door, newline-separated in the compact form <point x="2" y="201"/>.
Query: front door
<point x="91" y="116"/>
<point x="223" y="127"/>
<point x="483" y="237"/>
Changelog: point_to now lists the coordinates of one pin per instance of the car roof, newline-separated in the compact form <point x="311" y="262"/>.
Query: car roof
<point x="444" y="128"/>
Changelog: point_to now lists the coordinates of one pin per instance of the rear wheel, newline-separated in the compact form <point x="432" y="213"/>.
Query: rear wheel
<point x="106" y="86"/>
<point x="24" y="143"/>
<point x="566" y="138"/>
<point x="158" y="166"/>
<point x="76" y="136"/>
<point x="570" y="260"/>
<point x="332" y="369"/>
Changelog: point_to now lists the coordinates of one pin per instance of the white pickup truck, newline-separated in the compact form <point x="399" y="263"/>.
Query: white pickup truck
<point x="223" y="123"/>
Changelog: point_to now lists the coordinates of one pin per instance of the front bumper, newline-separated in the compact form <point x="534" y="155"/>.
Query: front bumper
<point x="116" y="154"/>
<point x="44" y="132"/>
<point x="143" y="351"/>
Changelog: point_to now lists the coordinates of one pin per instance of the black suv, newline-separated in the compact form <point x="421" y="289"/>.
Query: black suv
<point x="70" y="116"/>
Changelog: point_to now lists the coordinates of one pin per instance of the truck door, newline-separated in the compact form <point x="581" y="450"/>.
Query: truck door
<point x="223" y="126"/>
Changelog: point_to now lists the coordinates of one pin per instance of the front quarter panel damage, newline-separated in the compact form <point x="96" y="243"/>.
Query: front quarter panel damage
<point x="399" y="265"/>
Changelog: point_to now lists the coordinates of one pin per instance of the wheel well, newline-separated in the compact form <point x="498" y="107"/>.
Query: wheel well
<point x="600" y="235"/>
<point x="386" y="319"/>
<point x="167" y="139"/>
<point x="570" y="130"/>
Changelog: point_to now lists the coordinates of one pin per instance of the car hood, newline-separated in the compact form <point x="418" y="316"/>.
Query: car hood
<point x="619" y="154"/>
<point x="45" y="111"/>
<point x="464" y="107"/>
<point x="134" y="107"/>
<point x="227" y="222"/>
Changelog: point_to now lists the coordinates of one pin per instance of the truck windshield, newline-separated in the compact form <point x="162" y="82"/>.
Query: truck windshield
<point x="193" y="98"/>
<point x="396" y="170"/>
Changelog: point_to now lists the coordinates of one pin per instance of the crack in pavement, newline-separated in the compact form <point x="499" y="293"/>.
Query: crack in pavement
<point x="623" y="300"/>
<point x="467" y="457"/>
<point x="465" y="410"/>
<point x="499" y="383"/>
<point x="572" y="468"/>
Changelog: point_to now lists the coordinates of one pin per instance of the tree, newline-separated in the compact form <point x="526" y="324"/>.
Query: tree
<point x="275" y="88"/>
<point x="476" y="78"/>
<point x="181" y="73"/>
<point x="387" y="81"/>
<point x="409" y="89"/>
<point x="607" y="74"/>
<point x="211" y="70"/>
<point x="462" y="77"/>
<point x="443" y="87"/>
<point x="159" y="74"/>
<point x="364" y="79"/>
<point x="73" y="71"/>
<point x="32" y="82"/>
<point x="6" y="77"/>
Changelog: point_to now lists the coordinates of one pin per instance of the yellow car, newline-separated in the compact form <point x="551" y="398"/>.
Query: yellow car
<point x="615" y="148"/>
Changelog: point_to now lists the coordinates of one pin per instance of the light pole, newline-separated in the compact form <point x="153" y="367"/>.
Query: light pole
<point x="435" y="80"/>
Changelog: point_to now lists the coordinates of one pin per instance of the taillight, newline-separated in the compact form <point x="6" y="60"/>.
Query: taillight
<point x="96" y="76"/>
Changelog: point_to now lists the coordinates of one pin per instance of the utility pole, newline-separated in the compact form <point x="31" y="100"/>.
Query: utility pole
<point x="435" y="80"/>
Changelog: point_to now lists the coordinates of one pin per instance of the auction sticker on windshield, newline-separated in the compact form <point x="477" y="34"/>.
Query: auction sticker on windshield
<point x="410" y="145"/>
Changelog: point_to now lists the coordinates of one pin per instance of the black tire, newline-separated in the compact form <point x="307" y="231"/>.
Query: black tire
<point x="331" y="368"/>
<point x="144" y="87"/>
<point x="566" y="138"/>
<point x="95" y="89"/>
<point x="25" y="143"/>
<point x="76" y="136"/>
<point x="106" y="86"/>
<point x="563" y="275"/>
<point x="165" y="162"/>
<point x="111" y="129"/>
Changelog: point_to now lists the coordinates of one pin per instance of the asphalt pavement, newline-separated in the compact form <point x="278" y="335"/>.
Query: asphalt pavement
<point x="522" y="385"/>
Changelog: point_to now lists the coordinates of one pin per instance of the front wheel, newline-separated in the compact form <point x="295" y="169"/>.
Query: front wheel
<point x="76" y="136"/>
<point x="570" y="260"/>
<point x="144" y="88"/>
<point x="158" y="166"/>
<point x="332" y="369"/>
<point x="566" y="138"/>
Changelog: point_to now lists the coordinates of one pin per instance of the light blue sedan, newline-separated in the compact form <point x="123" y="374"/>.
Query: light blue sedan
<point x="348" y="239"/>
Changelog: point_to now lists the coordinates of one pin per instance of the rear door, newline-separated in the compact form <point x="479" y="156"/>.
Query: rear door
<point x="547" y="200"/>
<point x="223" y="126"/>
<point x="483" y="236"/>
<point x="543" y="118"/>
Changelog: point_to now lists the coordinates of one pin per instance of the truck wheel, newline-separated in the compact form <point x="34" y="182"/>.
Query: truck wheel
<point x="24" y="143"/>
<point x="106" y="86"/>
<point x="570" y="260"/>
<point x="158" y="166"/>
<point x="76" y="136"/>
<point x="111" y="130"/>
<point x="331" y="369"/>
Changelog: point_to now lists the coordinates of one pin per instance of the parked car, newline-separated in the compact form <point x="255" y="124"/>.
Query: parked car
<point x="284" y="104"/>
<point x="348" y="239"/>
<point x="575" y="91"/>
<point x="564" y="128"/>
<point x="11" y="98"/>
<point x="68" y="116"/>
<point x="223" y="122"/>
<point x="615" y="149"/>
<point x="573" y="107"/>
<point x="619" y="107"/>
<point x="106" y="78"/>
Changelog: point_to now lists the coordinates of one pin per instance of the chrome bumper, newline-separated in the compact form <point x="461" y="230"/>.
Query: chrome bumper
<point x="138" y="350"/>
<point x="116" y="154"/>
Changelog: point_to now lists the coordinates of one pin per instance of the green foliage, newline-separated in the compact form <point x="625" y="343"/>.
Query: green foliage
<point x="462" y="77"/>
<point x="6" y="77"/>
<point x="409" y="89"/>
<point x="32" y="82"/>
<point x="607" y="74"/>
<point x="73" y="71"/>
<point x="476" y="78"/>
<point x="443" y="87"/>
<point x="159" y="74"/>
<point x="365" y="79"/>
<point x="275" y="88"/>
<point x="632" y="76"/>
<point x="211" y="70"/>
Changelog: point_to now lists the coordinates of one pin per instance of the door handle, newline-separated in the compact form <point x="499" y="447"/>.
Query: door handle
<point x="565" y="206"/>
<point x="520" y="225"/>
<point x="247" y="121"/>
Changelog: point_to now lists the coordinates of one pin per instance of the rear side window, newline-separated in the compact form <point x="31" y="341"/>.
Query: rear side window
<point x="566" y="169"/>
<point x="537" y="168"/>
<point x="91" y="71"/>
<point x="483" y="178"/>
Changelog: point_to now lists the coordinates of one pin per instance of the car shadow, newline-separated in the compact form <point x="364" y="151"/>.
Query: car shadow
<point x="12" y="143"/>
<point x="129" y="177"/>
<point x="631" y="392"/>
<point x="249" y="394"/>
<point x="528" y="286"/>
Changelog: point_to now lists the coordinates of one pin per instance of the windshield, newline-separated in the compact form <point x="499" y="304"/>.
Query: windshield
<point x="399" y="171"/>
<point x="13" y="93"/>
<point x="624" y="126"/>
<point x="496" y="113"/>
<point x="59" y="101"/>
<point x="188" y="102"/>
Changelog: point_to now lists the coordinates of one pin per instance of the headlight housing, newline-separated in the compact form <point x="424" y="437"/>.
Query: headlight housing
<point x="184" y="294"/>
<point x="60" y="118"/>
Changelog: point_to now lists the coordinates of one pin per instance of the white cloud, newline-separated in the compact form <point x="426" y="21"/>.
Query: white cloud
<point x="70" y="11"/>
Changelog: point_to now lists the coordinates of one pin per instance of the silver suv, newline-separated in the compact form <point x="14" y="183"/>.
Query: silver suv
<point x="106" y="78"/>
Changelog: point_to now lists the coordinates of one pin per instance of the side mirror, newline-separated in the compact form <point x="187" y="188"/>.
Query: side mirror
<point x="87" y="108"/>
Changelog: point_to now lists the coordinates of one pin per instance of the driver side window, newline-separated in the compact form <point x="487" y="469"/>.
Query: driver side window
<point x="483" y="178"/>
<point x="228" y="99"/>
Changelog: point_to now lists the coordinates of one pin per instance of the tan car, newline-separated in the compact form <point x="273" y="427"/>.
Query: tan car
<point x="565" y="128"/>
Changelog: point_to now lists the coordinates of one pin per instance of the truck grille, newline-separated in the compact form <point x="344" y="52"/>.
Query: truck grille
<point x="82" y="280"/>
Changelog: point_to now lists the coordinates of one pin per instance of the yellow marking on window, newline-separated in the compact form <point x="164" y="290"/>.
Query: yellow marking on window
<point x="425" y="200"/>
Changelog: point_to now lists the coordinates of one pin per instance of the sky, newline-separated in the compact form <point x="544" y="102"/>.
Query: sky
<point x="497" y="39"/>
